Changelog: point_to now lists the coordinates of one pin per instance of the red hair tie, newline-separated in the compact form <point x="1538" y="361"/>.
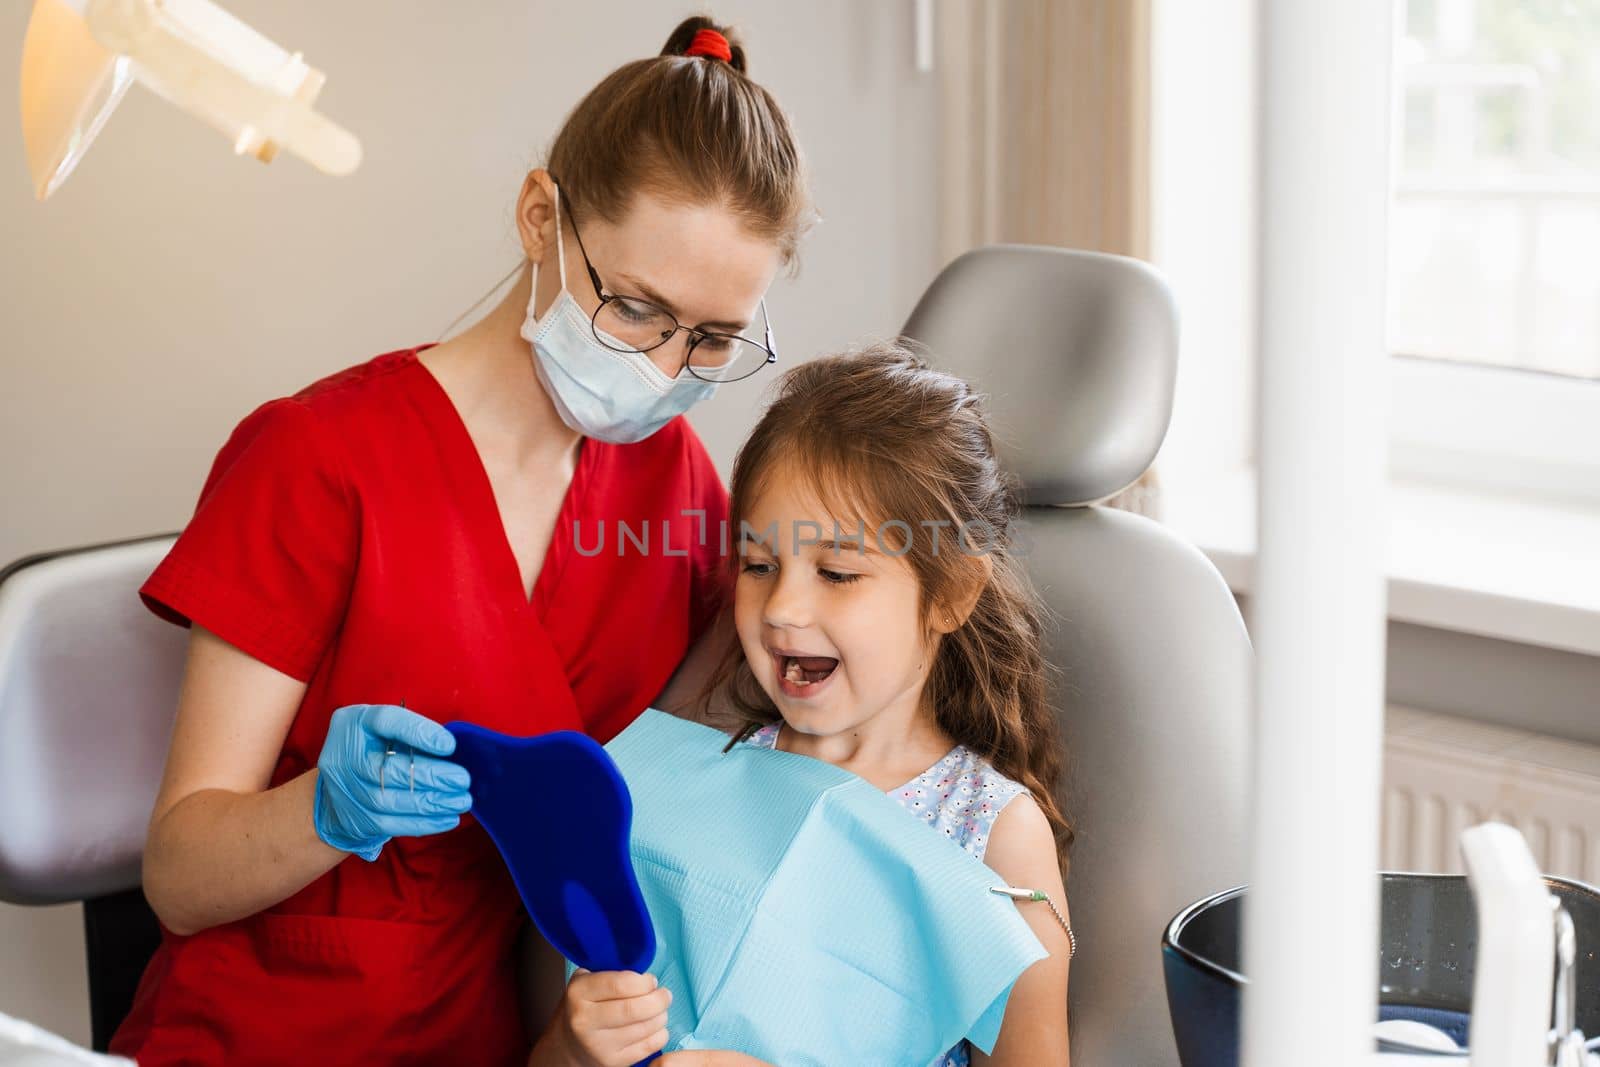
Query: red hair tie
<point x="710" y="43"/>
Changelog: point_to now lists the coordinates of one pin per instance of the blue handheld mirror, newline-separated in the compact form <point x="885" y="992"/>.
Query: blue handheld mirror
<point x="571" y="865"/>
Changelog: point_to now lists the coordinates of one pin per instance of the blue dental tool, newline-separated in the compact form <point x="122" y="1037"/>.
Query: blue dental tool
<point x="573" y="873"/>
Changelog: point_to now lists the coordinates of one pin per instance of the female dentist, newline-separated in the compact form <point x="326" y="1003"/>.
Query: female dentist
<point x="441" y="530"/>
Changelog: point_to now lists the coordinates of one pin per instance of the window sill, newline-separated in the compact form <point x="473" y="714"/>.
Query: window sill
<point x="1517" y="569"/>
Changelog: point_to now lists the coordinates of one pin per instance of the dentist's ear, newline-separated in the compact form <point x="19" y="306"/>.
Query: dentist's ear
<point x="536" y="214"/>
<point x="948" y="617"/>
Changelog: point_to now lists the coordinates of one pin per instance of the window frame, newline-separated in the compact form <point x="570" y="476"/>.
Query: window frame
<point x="1494" y="429"/>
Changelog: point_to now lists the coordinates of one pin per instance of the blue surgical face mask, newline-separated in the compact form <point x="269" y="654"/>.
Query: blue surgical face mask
<point x="620" y="397"/>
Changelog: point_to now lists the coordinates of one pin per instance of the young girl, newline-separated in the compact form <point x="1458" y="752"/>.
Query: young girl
<point x="885" y="626"/>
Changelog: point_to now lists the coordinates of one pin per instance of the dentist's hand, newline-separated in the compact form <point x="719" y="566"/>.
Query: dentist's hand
<point x="420" y="793"/>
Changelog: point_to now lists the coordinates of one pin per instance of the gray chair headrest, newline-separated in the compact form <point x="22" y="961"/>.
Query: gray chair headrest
<point x="1077" y="352"/>
<point x="89" y="684"/>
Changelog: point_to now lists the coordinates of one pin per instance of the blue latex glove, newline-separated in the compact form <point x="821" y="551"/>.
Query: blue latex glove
<point x="418" y="793"/>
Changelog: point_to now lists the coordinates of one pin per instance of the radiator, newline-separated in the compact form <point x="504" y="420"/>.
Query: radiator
<point x="1443" y="775"/>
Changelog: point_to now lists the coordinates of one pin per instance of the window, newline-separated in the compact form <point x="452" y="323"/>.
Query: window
<point x="1495" y="225"/>
<point x="1494" y="245"/>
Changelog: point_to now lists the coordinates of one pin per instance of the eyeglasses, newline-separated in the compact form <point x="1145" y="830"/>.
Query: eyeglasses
<point x="634" y="324"/>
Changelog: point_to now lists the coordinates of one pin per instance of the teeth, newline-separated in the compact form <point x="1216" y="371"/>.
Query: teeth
<point x="791" y="672"/>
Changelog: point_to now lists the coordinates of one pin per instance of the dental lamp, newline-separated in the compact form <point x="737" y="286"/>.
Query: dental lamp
<point x="80" y="56"/>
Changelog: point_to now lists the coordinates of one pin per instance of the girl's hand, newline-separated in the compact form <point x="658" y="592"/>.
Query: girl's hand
<point x="612" y="1018"/>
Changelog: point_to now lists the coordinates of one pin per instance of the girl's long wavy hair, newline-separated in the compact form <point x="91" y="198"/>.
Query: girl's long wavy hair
<point x="883" y="436"/>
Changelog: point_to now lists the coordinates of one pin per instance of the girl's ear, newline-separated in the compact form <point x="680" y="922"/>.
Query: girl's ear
<point x="951" y="616"/>
<point x="536" y="214"/>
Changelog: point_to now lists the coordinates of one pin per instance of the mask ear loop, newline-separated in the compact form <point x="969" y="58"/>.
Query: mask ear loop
<point x="561" y="259"/>
<point x="561" y="246"/>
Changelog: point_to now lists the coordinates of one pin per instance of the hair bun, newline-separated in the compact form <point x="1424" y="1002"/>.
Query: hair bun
<point x="691" y="38"/>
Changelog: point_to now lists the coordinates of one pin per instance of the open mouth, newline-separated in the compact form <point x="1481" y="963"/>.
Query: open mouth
<point x="802" y="671"/>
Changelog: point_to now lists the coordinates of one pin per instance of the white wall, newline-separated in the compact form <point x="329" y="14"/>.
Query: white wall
<point x="169" y="287"/>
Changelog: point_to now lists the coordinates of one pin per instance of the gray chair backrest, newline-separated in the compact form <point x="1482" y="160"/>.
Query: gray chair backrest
<point x="88" y="688"/>
<point x="1077" y="352"/>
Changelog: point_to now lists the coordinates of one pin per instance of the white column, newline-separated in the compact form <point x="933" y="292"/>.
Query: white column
<point x="1311" y="931"/>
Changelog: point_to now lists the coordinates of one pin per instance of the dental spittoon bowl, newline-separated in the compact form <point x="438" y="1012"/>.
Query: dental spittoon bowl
<point x="1428" y="936"/>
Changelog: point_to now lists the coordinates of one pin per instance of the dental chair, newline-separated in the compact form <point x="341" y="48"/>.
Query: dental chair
<point x="1077" y="352"/>
<point x="88" y="689"/>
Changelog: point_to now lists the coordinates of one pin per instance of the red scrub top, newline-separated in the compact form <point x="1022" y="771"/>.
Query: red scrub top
<point x="348" y="536"/>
